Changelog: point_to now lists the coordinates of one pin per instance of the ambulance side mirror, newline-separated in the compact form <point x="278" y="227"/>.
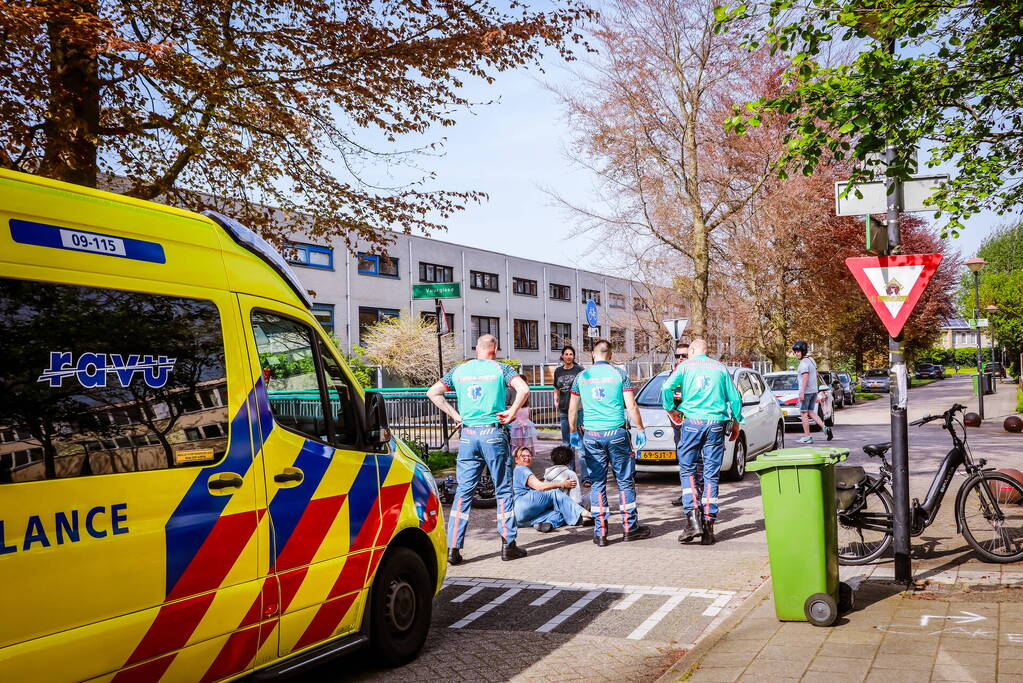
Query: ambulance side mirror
<point x="377" y="431"/>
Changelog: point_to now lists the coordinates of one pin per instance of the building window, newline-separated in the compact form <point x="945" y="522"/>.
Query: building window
<point x="642" y="342"/>
<point x="561" y="292"/>
<point x="591" y="295"/>
<point x="561" y="334"/>
<point x="616" y="300"/>
<point x="617" y="339"/>
<point x="324" y="314"/>
<point x="371" y="316"/>
<point x="526" y="287"/>
<point x="590" y="336"/>
<point x="431" y="272"/>
<point x="431" y="317"/>
<point x="480" y="280"/>
<point x="639" y="304"/>
<point x="482" y="325"/>
<point x="311" y="256"/>
<point x="527" y="335"/>
<point x="381" y="265"/>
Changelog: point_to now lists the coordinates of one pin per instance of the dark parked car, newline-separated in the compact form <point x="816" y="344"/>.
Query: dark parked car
<point x="996" y="369"/>
<point x="831" y="379"/>
<point x="848" y="387"/>
<point x="929" y="371"/>
<point x="877" y="379"/>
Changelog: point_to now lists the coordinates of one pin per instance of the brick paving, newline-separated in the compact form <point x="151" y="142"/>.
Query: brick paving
<point x="505" y="638"/>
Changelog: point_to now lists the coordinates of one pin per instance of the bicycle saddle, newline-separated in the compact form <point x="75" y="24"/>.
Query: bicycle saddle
<point x="876" y="449"/>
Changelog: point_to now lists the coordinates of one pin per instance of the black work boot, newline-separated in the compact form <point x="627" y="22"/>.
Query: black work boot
<point x="510" y="551"/>
<point x="454" y="556"/>
<point x="708" y="532"/>
<point x="677" y="502"/>
<point x="637" y="533"/>
<point x="601" y="541"/>
<point x="693" y="527"/>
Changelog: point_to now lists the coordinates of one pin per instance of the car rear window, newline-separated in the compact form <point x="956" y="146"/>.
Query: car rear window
<point x="782" y="382"/>
<point x="876" y="373"/>
<point x="104" y="381"/>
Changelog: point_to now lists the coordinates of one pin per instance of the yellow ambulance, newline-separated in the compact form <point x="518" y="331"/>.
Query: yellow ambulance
<point x="192" y="485"/>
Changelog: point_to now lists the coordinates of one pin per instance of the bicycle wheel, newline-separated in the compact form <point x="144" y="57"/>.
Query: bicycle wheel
<point x="991" y="516"/>
<point x="865" y="529"/>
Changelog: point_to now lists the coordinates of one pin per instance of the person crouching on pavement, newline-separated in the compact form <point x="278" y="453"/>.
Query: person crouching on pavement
<point x="561" y="470"/>
<point x="709" y="402"/>
<point x="605" y="393"/>
<point x="544" y="505"/>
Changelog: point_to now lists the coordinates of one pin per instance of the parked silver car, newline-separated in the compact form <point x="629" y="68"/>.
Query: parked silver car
<point x="877" y="379"/>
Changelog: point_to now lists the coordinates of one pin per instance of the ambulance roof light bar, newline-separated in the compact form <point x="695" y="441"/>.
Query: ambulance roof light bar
<point x="261" y="248"/>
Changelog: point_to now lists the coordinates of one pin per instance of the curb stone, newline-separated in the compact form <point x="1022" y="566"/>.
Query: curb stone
<point x="682" y="668"/>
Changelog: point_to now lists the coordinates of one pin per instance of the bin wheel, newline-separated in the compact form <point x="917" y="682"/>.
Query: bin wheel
<point x="820" y="609"/>
<point x="846" y="598"/>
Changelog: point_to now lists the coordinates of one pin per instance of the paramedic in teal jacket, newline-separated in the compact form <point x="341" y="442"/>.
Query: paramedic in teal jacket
<point x="480" y="386"/>
<point x="605" y="394"/>
<point x="709" y="401"/>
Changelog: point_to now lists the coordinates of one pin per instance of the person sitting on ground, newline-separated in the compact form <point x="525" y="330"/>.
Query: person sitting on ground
<point x="544" y="504"/>
<point x="562" y="458"/>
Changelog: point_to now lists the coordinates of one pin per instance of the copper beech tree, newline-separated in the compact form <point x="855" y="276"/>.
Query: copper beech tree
<point x="240" y="104"/>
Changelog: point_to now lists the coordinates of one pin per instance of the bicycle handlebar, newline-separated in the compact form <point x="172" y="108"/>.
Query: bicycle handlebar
<point x="947" y="415"/>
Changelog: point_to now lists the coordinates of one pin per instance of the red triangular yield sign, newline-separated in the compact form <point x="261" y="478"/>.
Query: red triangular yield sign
<point x="893" y="284"/>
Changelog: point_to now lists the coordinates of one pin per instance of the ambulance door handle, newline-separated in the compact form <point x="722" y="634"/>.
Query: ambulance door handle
<point x="224" y="480"/>
<point x="288" y="475"/>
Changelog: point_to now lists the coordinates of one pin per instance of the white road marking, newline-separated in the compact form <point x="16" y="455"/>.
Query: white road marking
<point x="468" y="594"/>
<point x="545" y="597"/>
<point x="628" y="596"/>
<point x="485" y="608"/>
<point x="628" y="601"/>
<point x="968" y="619"/>
<point x="656" y="617"/>
<point x="569" y="611"/>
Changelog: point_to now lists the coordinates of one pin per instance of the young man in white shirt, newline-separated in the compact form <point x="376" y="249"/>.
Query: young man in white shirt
<point x="806" y="375"/>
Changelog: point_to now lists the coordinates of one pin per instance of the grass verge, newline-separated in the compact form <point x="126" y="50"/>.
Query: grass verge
<point x="441" y="460"/>
<point x="1019" y="400"/>
<point x="866" y="396"/>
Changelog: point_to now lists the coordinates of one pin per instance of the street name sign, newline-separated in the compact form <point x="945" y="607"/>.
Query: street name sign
<point x="676" y="326"/>
<point x="437" y="290"/>
<point x="893" y="284"/>
<point x="875" y="195"/>
<point x="977" y="322"/>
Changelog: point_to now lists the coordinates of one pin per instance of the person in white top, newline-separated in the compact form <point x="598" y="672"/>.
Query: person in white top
<point x="806" y="375"/>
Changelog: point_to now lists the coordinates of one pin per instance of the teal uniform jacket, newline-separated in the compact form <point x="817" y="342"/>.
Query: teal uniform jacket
<point x="479" y="386"/>
<point x="601" y="390"/>
<point x="707" y="391"/>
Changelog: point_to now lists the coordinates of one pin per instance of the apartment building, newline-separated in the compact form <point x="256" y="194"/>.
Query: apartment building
<point x="532" y="307"/>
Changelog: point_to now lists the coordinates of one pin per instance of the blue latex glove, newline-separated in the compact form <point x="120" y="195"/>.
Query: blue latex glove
<point x="640" y="439"/>
<point x="575" y="440"/>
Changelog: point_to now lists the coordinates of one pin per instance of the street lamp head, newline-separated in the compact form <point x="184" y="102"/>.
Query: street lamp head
<point x="975" y="263"/>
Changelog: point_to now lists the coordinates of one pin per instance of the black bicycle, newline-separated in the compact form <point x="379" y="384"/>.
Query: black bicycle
<point x="988" y="507"/>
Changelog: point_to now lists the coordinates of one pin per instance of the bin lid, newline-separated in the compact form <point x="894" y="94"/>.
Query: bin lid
<point x="805" y="455"/>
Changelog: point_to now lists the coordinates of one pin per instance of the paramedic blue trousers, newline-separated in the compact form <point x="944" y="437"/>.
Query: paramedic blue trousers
<point x="699" y="458"/>
<point x="482" y="447"/>
<point x="611" y="448"/>
<point x="704" y="438"/>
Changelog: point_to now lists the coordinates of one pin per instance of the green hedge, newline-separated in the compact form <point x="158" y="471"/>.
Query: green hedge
<point x="966" y="355"/>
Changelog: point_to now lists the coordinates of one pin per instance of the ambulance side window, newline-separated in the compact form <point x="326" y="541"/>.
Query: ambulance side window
<point x="343" y="401"/>
<point x="104" y="381"/>
<point x="287" y="359"/>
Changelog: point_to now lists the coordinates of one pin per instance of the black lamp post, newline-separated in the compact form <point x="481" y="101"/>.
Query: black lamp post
<point x="975" y="264"/>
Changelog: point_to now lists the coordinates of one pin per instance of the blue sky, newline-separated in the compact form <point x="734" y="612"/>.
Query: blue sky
<point x="513" y="148"/>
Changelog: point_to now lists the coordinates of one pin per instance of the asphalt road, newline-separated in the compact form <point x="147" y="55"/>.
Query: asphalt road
<point x="573" y="611"/>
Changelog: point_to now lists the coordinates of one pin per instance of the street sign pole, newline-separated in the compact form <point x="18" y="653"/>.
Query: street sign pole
<point x="976" y="316"/>
<point x="899" y="397"/>
<point x="440" y="364"/>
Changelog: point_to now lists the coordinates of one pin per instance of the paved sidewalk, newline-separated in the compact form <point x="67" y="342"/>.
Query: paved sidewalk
<point x="939" y="632"/>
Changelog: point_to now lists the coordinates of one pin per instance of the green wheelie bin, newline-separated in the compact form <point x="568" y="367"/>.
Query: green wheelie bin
<point x="797" y="487"/>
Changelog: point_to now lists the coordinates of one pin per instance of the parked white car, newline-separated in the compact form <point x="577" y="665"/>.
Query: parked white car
<point x="763" y="429"/>
<point x="785" y="386"/>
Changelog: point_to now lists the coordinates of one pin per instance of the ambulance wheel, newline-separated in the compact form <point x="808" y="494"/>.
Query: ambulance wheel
<point x="820" y="609"/>
<point x="401" y="607"/>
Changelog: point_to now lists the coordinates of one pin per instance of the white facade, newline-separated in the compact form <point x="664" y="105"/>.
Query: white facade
<point x="345" y="292"/>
